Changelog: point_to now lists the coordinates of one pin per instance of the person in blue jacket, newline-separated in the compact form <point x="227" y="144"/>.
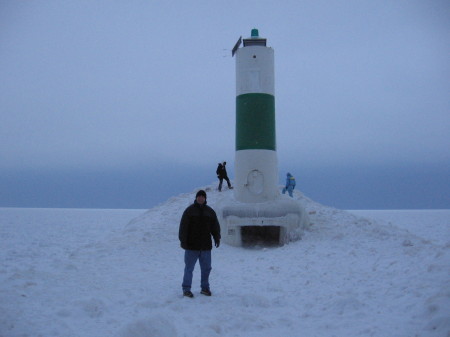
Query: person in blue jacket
<point x="290" y="184"/>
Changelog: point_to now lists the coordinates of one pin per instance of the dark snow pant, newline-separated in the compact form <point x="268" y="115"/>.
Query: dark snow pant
<point x="221" y="181"/>
<point x="190" y="258"/>
<point x="290" y="189"/>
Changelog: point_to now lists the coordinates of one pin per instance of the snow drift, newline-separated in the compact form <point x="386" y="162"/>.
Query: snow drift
<point x="77" y="273"/>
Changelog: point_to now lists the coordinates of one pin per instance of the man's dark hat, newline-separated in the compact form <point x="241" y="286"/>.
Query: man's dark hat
<point x="201" y="192"/>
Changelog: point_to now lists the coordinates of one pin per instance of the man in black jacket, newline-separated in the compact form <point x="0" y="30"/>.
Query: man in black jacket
<point x="222" y="174"/>
<point x="198" y="223"/>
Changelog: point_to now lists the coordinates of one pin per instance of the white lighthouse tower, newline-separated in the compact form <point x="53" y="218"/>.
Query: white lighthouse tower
<point x="258" y="213"/>
<point x="256" y="173"/>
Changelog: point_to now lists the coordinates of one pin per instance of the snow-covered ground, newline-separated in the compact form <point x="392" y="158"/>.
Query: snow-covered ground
<point x="103" y="273"/>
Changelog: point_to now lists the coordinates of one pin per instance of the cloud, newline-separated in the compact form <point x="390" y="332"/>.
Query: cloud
<point x="114" y="85"/>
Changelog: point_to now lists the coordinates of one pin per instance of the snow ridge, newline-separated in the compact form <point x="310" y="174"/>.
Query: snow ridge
<point x="348" y="276"/>
<point x="87" y="273"/>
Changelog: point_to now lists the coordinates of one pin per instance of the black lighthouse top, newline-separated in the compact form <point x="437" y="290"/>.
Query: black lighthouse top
<point x="255" y="40"/>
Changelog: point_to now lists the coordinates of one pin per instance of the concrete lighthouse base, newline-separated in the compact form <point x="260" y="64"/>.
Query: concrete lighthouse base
<point x="272" y="223"/>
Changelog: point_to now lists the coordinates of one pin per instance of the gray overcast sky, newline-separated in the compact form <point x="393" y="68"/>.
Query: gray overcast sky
<point x="117" y="84"/>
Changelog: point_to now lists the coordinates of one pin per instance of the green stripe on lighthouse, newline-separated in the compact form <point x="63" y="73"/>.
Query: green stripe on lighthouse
<point x="255" y="122"/>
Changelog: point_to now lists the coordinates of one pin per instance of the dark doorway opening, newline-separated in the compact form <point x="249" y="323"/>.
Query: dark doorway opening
<point x="267" y="236"/>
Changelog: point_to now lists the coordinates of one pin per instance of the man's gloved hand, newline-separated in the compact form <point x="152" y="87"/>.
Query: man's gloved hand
<point x="217" y="243"/>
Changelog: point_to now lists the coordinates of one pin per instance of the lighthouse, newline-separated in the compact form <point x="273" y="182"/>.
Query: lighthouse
<point x="256" y="173"/>
<point x="257" y="214"/>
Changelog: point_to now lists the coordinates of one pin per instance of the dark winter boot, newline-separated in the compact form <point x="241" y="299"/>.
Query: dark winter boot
<point x="206" y="292"/>
<point x="188" y="293"/>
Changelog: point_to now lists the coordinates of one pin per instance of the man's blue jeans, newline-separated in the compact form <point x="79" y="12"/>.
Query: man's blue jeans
<point x="190" y="259"/>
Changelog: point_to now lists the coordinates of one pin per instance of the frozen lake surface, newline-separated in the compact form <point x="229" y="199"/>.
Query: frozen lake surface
<point x="103" y="273"/>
